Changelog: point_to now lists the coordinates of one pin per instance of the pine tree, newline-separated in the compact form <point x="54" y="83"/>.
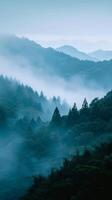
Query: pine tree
<point x="84" y="111"/>
<point x="56" y="118"/>
<point x="74" y="109"/>
<point x="73" y="115"/>
<point x="85" y="104"/>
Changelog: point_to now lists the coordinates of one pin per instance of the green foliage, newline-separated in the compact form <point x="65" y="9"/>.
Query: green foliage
<point x="56" y="118"/>
<point x="95" y="118"/>
<point x="87" y="176"/>
<point x="17" y="101"/>
<point x="45" y="145"/>
<point x="73" y="116"/>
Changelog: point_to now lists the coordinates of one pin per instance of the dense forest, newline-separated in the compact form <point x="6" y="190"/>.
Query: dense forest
<point x="18" y="101"/>
<point x="87" y="174"/>
<point x="84" y="177"/>
<point x="56" y="100"/>
<point x="32" y="145"/>
<point x="22" y="112"/>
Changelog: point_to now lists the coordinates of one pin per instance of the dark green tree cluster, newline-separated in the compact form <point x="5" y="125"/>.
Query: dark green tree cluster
<point x="73" y="116"/>
<point x="48" y="143"/>
<point x="86" y="176"/>
<point x="56" y="118"/>
<point x="93" y="117"/>
<point x="17" y="101"/>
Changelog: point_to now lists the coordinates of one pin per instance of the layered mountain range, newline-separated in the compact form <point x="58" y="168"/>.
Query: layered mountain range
<point x="27" y="54"/>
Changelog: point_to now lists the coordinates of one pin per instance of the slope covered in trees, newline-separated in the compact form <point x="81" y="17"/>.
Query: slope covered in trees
<point x="18" y="101"/>
<point x="23" y="150"/>
<point x="35" y="147"/>
<point x="88" y="174"/>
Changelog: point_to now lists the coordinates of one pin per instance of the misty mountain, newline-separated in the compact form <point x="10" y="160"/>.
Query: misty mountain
<point x="71" y="51"/>
<point x="18" y="101"/>
<point x="85" y="172"/>
<point x="43" y="62"/>
<point x="29" y="146"/>
<point x="23" y="150"/>
<point x="101" y="55"/>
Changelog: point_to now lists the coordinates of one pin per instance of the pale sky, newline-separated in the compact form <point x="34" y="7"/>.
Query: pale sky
<point x="85" y="24"/>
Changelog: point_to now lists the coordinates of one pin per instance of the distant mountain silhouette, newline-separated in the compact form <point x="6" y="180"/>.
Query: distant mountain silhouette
<point x="101" y="55"/>
<point x="55" y="63"/>
<point x="71" y="51"/>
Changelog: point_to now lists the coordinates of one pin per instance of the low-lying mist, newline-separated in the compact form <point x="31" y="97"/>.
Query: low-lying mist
<point x="23" y="156"/>
<point x="74" y="89"/>
<point x="25" y="153"/>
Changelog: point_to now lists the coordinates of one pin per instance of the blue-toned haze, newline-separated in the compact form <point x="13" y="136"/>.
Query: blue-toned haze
<point x="80" y="33"/>
<point x="86" y="24"/>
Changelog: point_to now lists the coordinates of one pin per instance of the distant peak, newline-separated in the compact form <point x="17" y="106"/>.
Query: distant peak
<point x="67" y="47"/>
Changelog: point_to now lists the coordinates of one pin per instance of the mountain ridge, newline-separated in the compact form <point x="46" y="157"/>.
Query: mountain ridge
<point x="51" y="62"/>
<point x="102" y="54"/>
<point x="72" y="51"/>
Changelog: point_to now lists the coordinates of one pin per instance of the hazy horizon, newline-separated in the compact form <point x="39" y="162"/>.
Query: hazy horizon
<point x="55" y="23"/>
<point x="50" y="23"/>
<point x="55" y="103"/>
<point x="81" y="45"/>
<point x="86" y="46"/>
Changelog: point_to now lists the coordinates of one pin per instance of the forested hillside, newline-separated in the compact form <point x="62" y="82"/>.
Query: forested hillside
<point x="87" y="175"/>
<point x="84" y="177"/>
<point x="18" y="101"/>
<point x="22" y="150"/>
<point x="55" y="100"/>
<point x="35" y="147"/>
